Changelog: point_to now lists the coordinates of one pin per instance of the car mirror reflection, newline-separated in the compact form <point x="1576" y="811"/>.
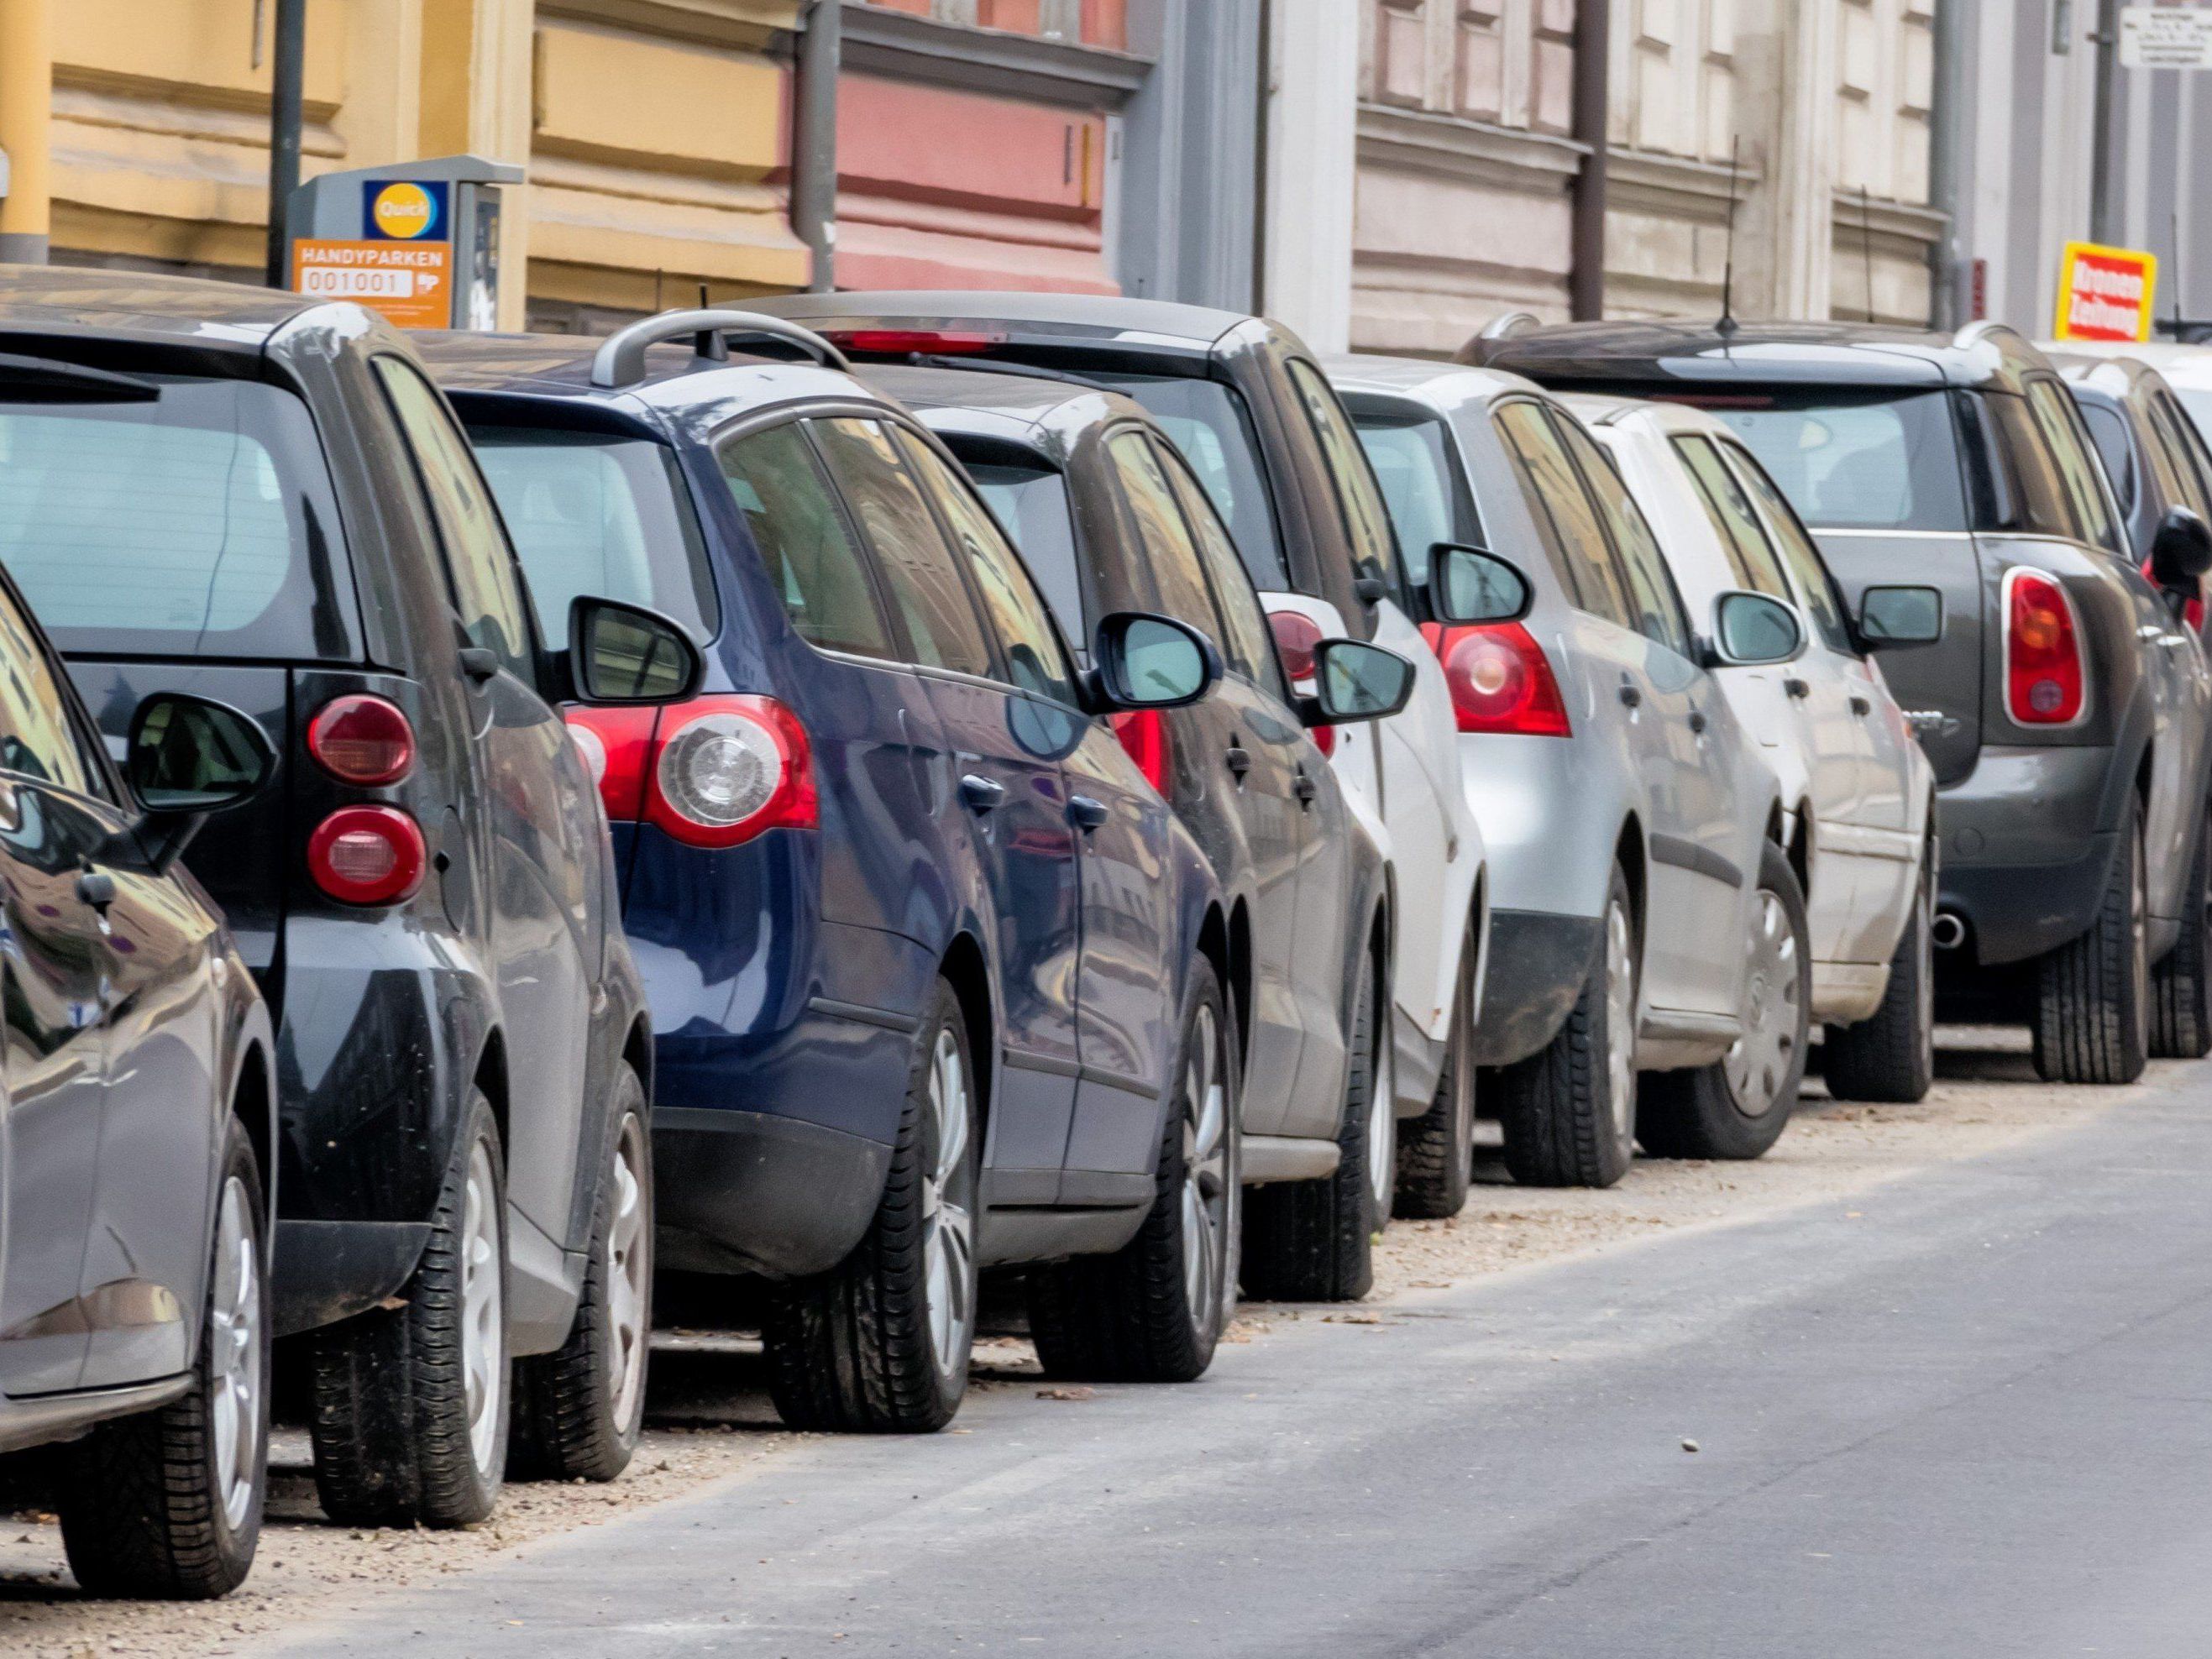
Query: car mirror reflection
<point x="1900" y="616"/>
<point x="1471" y="585"/>
<point x="625" y="653"/>
<point x="1750" y="630"/>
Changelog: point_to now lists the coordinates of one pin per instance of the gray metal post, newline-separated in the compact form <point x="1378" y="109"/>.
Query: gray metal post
<point x="1947" y="256"/>
<point x="1586" y="255"/>
<point x="287" y="68"/>
<point x="814" y="160"/>
<point x="2105" y="224"/>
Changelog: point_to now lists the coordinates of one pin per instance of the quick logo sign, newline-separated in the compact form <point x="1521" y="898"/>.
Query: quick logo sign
<point x="402" y="210"/>
<point x="2105" y="293"/>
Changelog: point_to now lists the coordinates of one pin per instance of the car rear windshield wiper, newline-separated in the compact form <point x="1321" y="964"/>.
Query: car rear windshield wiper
<point x="49" y="380"/>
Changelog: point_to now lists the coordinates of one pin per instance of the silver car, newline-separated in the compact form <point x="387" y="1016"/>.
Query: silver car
<point x="1644" y="915"/>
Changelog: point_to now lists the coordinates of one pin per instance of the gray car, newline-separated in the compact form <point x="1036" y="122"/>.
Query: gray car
<point x="1636" y="836"/>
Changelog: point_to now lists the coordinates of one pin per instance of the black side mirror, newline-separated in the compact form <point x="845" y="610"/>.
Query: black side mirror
<point x="625" y="653"/>
<point x="1355" y="681"/>
<point x="1141" y="660"/>
<point x="1469" y="585"/>
<point x="185" y="757"/>
<point x="1890" y="617"/>
<point x="1752" y="631"/>
<point x="2180" y="551"/>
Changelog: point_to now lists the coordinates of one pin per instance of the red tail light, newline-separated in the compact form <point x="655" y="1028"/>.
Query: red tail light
<point x="366" y="855"/>
<point x="1501" y="682"/>
<point x="1295" y="635"/>
<point x="713" y="772"/>
<point x="899" y="342"/>
<point x="1144" y="733"/>
<point x="2044" y="683"/>
<point x="361" y="739"/>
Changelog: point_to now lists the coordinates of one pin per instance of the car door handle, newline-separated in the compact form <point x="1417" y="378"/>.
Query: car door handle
<point x="478" y="664"/>
<point x="1861" y="705"/>
<point x="1631" y="696"/>
<point x="1306" y="789"/>
<point x="1240" y="760"/>
<point x="2148" y="631"/>
<point x="1087" y="814"/>
<point x="1796" y="688"/>
<point x="97" y="889"/>
<point x="982" y="794"/>
<point x="1697" y="721"/>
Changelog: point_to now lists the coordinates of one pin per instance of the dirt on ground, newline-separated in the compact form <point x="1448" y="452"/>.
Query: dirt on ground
<point x="710" y="1419"/>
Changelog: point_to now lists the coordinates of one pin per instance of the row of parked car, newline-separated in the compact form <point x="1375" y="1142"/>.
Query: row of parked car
<point x="824" y="803"/>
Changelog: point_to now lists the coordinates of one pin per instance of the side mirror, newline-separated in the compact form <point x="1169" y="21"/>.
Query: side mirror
<point x="1751" y="630"/>
<point x="2180" y="551"/>
<point x="188" y="755"/>
<point x="1901" y="616"/>
<point x="625" y="653"/>
<point x="1469" y="584"/>
<point x="1354" y="681"/>
<point x="1140" y="661"/>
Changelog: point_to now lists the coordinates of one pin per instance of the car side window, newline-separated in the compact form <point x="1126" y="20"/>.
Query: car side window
<point x="921" y="574"/>
<point x="1036" y="661"/>
<point x="1560" y="501"/>
<point x="2108" y="430"/>
<point x="2061" y="421"/>
<point x="1742" y="539"/>
<point x="2193" y="466"/>
<point x="1794" y="543"/>
<point x="1656" y="608"/>
<point x="1170" y="556"/>
<point x="479" y="562"/>
<point x="38" y="739"/>
<point x="812" y="559"/>
<point x="1247" y="641"/>
<point x="2036" y="502"/>
<point x="1374" y="543"/>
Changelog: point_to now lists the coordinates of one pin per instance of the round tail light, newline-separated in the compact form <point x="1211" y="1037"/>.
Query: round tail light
<point x="368" y="855"/>
<point x="361" y="739"/>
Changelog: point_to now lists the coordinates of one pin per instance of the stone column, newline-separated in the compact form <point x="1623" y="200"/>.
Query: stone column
<point x="475" y="100"/>
<point x="1786" y="79"/>
<point x="1312" y="126"/>
<point x="27" y="100"/>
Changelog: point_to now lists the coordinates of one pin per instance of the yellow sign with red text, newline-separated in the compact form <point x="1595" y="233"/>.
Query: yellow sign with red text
<point x="409" y="284"/>
<point x="2105" y="293"/>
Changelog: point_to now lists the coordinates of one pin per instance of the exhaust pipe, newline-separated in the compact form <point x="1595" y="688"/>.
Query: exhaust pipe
<point x="1948" y="931"/>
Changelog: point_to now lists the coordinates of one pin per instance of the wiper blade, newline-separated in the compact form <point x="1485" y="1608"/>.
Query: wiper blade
<point x="49" y="380"/>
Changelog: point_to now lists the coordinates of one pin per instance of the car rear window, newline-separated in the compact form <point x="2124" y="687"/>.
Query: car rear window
<point x="1207" y="421"/>
<point x="599" y="515"/>
<point x="1032" y="502"/>
<point x="199" y="521"/>
<point x="1856" y="462"/>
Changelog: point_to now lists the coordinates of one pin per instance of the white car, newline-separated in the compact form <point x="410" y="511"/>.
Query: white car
<point x="1858" y="791"/>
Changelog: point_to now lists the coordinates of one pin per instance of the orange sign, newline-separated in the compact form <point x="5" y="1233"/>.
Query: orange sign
<point x="409" y="284"/>
<point x="2105" y="293"/>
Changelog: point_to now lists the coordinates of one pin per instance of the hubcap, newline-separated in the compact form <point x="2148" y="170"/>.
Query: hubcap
<point x="1381" y="1111"/>
<point x="1209" y="1192"/>
<point x="234" y="1354"/>
<point x="948" y="1209"/>
<point x="1620" y="1022"/>
<point x="483" y="1323"/>
<point x="1759" y="1061"/>
<point x="628" y="1270"/>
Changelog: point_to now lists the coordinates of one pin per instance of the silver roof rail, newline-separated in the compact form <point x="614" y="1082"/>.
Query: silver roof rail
<point x="1503" y="326"/>
<point x="620" y="361"/>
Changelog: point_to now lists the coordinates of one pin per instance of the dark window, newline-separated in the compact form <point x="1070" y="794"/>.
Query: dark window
<point x="1858" y="462"/>
<point x="2108" y="430"/>
<point x="805" y="545"/>
<point x="1032" y="502"/>
<point x="1558" y="500"/>
<point x="1806" y="565"/>
<point x="1178" y="579"/>
<point x="1374" y="549"/>
<point x="479" y="563"/>
<point x="593" y="513"/>
<point x="1655" y="608"/>
<point x="1742" y="540"/>
<point x="1247" y="642"/>
<point x="1034" y="660"/>
<point x="38" y="739"/>
<point x="1420" y="479"/>
<point x="201" y="520"/>
<point x="2032" y="498"/>
<point x="2062" y="424"/>
<point x="1210" y="424"/>
<point x="2192" y="461"/>
<point x="918" y="568"/>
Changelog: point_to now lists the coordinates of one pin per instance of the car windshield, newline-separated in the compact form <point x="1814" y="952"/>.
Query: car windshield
<point x="1856" y="463"/>
<point x="1208" y="423"/>
<point x="596" y="513"/>
<point x="1414" y="466"/>
<point x="1032" y="502"/>
<point x="198" y="521"/>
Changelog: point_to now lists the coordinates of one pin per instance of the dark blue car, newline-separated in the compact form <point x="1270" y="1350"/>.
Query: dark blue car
<point x="936" y="976"/>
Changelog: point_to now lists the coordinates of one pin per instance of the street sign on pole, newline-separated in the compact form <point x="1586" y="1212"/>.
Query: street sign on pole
<point x="2105" y="293"/>
<point x="2166" y="36"/>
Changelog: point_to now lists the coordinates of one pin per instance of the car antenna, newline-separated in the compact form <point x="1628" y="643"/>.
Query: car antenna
<point x="1727" y="326"/>
<point x="1866" y="246"/>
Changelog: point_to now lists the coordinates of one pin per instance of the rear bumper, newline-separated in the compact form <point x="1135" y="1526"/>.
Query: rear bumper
<point x="1538" y="964"/>
<point x="747" y="1192"/>
<point x="2029" y="840"/>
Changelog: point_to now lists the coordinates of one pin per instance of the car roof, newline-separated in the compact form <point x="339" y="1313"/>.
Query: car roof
<point x="1080" y="315"/>
<point x="1813" y="353"/>
<point x="2117" y="377"/>
<point x="1043" y="412"/>
<point x="191" y="311"/>
<point x="1424" y="378"/>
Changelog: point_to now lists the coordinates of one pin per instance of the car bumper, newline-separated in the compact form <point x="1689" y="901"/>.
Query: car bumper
<point x="747" y="1192"/>
<point x="2028" y="839"/>
<point x="1538" y="964"/>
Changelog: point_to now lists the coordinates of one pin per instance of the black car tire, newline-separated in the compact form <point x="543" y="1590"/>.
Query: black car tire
<point x="1132" y="1317"/>
<point x="853" y="1349"/>
<point x="2181" y="983"/>
<point x="1701" y="1112"/>
<point x="1562" y="1124"/>
<point x="390" y="1427"/>
<point x="1314" y="1240"/>
<point x="1436" y="1151"/>
<point x="579" y="1410"/>
<point x="145" y="1500"/>
<point x="1890" y="1055"/>
<point x="2092" y="995"/>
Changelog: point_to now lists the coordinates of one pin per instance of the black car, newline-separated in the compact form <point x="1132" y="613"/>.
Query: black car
<point x="1109" y="517"/>
<point x="2068" y="735"/>
<point x="246" y="496"/>
<point x="135" y="1161"/>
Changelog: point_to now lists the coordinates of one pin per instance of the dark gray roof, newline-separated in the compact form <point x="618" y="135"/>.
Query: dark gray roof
<point x="1072" y="313"/>
<point x="65" y="300"/>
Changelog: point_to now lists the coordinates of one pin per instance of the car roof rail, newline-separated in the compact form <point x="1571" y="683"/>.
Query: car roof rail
<point x="1503" y="326"/>
<point x="620" y="360"/>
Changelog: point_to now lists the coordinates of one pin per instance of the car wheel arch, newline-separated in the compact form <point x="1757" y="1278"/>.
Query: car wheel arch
<point x="637" y="1052"/>
<point x="1629" y="853"/>
<point x="253" y="1103"/>
<point x="490" y="1077"/>
<point x="966" y="968"/>
<point x="1228" y="946"/>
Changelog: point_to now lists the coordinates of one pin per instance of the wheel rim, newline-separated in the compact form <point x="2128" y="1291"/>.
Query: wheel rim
<point x="1759" y="1062"/>
<point x="235" y="1353"/>
<point x="628" y="1270"/>
<point x="1382" y="1108"/>
<point x="948" y="1211"/>
<point x="483" y="1326"/>
<point x="1208" y="1190"/>
<point x="1620" y="1022"/>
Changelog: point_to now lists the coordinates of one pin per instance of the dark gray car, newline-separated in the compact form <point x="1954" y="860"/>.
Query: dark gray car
<point x="2067" y="733"/>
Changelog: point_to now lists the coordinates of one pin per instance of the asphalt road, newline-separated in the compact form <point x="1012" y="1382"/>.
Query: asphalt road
<point x="1965" y="1413"/>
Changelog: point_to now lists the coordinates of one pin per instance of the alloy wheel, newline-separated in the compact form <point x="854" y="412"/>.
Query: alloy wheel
<point x="948" y="1205"/>
<point x="483" y="1323"/>
<point x="1209" y="1192"/>
<point x="1620" y="1022"/>
<point x="628" y="1268"/>
<point x="1760" y="1060"/>
<point x="234" y="1354"/>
